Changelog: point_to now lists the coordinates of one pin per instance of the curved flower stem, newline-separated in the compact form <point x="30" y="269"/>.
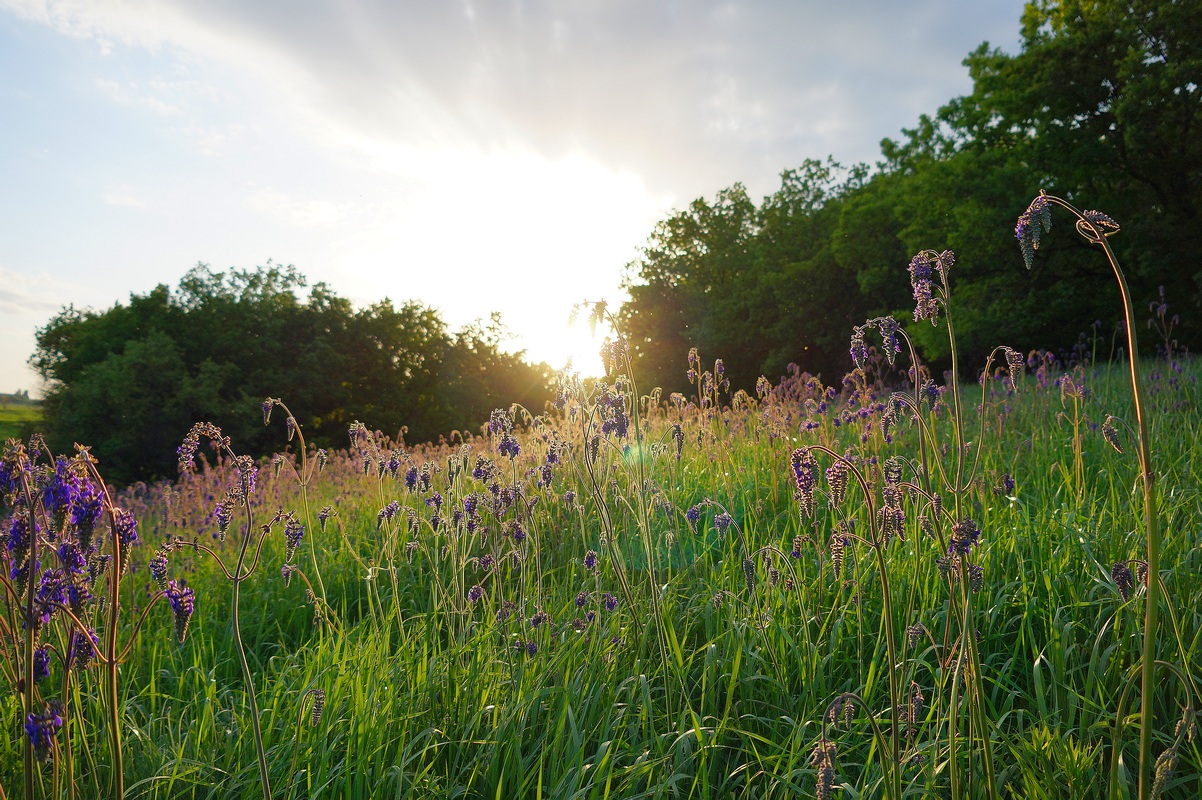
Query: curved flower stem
<point x="111" y="664"/>
<point x="303" y="479"/>
<point x="250" y="685"/>
<point x="1094" y="234"/>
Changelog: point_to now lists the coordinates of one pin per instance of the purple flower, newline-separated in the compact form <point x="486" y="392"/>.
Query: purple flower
<point x="590" y="561"/>
<point x="965" y="535"/>
<point x="42" y="730"/>
<point x="475" y="593"/>
<point x="83" y="649"/>
<point x="723" y="522"/>
<point x="693" y="515"/>
<point x="41" y="663"/>
<point x="1032" y="223"/>
<point x="581" y="599"/>
<point x="183" y="602"/>
<point x="387" y="513"/>
<point x="611" y="602"/>
<point x="294" y="531"/>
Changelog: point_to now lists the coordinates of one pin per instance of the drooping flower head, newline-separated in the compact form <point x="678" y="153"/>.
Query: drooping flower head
<point x="1032" y="224"/>
<point x="42" y="730"/>
<point x="183" y="602"/>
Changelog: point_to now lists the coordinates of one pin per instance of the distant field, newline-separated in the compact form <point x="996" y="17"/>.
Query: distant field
<point x="13" y="418"/>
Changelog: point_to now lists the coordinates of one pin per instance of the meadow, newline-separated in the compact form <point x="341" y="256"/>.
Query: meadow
<point x="16" y="417"/>
<point x="884" y="586"/>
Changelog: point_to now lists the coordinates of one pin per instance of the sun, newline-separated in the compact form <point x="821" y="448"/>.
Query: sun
<point x="567" y="344"/>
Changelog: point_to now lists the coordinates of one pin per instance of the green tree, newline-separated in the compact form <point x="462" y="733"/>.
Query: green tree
<point x="132" y="379"/>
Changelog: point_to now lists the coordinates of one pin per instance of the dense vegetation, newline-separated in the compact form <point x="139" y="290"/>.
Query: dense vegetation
<point x="132" y="379"/>
<point x="508" y="660"/>
<point x="1103" y="103"/>
<point x="901" y="582"/>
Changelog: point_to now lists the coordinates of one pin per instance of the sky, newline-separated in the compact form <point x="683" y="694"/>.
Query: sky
<point x="474" y="156"/>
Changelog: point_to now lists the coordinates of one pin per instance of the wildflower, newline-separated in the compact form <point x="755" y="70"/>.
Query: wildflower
<point x="387" y="514"/>
<point x="531" y="648"/>
<point x="610" y="601"/>
<point x="475" y="593"/>
<point x="914" y="634"/>
<point x="268" y="404"/>
<point x="964" y="536"/>
<point x="323" y="516"/>
<point x="976" y="577"/>
<point x="292" y="427"/>
<point x="723" y="522"/>
<point x="804" y="469"/>
<point x="1014" y="362"/>
<point x="693" y="515"/>
<point x="224" y="514"/>
<point x="859" y="350"/>
<point x="539" y="618"/>
<point x="823" y="758"/>
<point x="1005" y="485"/>
<point x="41" y="663"/>
<point x="159" y="564"/>
<point x="925" y="306"/>
<point x="1032" y="223"/>
<point x="42" y="730"/>
<point x="322" y="458"/>
<point x="286" y="571"/>
<point x="888" y="328"/>
<point x="294" y="531"/>
<point x="125" y="526"/>
<point x="82" y="649"/>
<point x="411" y="478"/>
<point x="678" y="438"/>
<point x="590" y="560"/>
<point x="183" y="602"/>
<point x="836" y="477"/>
<point x="581" y="599"/>
<point x="1124" y="581"/>
<point x="837" y="545"/>
<point x="1165" y="764"/>
<point x="319" y="704"/>
<point x="749" y="574"/>
<point x="509" y="446"/>
<point x="1111" y="434"/>
<point x="516" y="531"/>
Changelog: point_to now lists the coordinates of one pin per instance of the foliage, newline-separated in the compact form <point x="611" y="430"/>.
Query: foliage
<point x="1103" y="100"/>
<point x="133" y="378"/>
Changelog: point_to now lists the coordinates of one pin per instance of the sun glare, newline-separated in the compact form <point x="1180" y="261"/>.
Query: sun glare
<point x="572" y="344"/>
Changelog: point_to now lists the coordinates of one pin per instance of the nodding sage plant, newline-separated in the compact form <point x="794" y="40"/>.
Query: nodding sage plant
<point x="238" y="496"/>
<point x="611" y="429"/>
<point x="885" y="495"/>
<point x="1096" y="227"/>
<point x="308" y="468"/>
<point x="61" y="575"/>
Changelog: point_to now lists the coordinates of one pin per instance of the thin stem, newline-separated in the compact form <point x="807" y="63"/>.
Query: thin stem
<point x="1095" y="235"/>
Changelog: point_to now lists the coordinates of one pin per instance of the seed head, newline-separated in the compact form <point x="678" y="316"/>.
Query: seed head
<point x="1032" y="223"/>
<point x="183" y="602"/>
<point x="1124" y="581"/>
<point x="319" y="704"/>
<point x="1111" y="434"/>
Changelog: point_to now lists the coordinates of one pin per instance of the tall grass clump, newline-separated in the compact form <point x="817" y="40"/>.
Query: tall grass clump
<point x="893" y="584"/>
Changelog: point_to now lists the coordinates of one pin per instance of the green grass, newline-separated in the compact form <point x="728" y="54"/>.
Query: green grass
<point x="18" y="419"/>
<point x="427" y="695"/>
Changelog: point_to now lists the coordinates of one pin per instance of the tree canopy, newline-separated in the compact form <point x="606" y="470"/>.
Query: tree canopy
<point x="132" y="379"/>
<point x="1101" y="105"/>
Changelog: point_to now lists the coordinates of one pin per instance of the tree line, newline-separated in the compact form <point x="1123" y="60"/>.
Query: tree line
<point x="1102" y="105"/>
<point x="132" y="379"/>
